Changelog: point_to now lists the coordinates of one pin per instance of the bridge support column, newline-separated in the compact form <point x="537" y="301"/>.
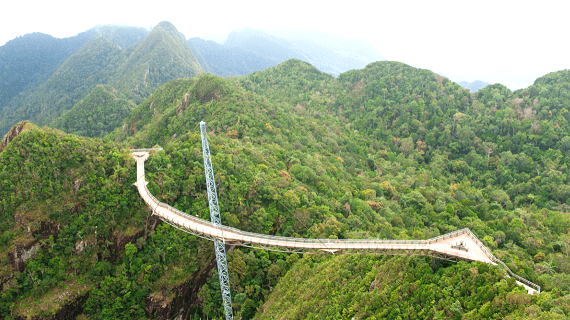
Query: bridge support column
<point x="140" y="158"/>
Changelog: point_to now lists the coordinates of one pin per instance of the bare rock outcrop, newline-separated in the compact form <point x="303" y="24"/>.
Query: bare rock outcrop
<point x="184" y="104"/>
<point x="183" y="298"/>
<point x="13" y="133"/>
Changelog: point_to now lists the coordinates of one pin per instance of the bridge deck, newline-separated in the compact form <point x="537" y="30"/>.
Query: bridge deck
<point x="440" y="247"/>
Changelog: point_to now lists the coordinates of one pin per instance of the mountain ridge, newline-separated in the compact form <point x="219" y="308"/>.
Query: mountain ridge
<point x="38" y="55"/>
<point x="135" y="62"/>
<point x="135" y="71"/>
<point x="388" y="151"/>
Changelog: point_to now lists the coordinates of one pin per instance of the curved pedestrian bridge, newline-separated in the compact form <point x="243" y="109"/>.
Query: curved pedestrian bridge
<point x="458" y="245"/>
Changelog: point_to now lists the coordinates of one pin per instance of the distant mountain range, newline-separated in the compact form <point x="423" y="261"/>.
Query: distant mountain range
<point x="331" y="53"/>
<point x="226" y="61"/>
<point x="247" y="50"/>
<point x="473" y="86"/>
<point x="29" y="60"/>
<point x="130" y="60"/>
<point x="43" y="77"/>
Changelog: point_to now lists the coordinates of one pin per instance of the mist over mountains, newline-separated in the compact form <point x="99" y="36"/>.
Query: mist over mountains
<point x="474" y="86"/>
<point x="29" y="60"/>
<point x="328" y="53"/>
<point x="144" y="63"/>
<point x="44" y="77"/>
<point x="247" y="50"/>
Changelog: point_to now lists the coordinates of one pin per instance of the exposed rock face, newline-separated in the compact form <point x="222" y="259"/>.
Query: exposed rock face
<point x="75" y="306"/>
<point x="182" y="299"/>
<point x="20" y="255"/>
<point x="13" y="133"/>
<point x="373" y="285"/>
<point x="80" y="246"/>
<point x="120" y="240"/>
<point x="184" y="104"/>
<point x="68" y="311"/>
<point x="22" y="252"/>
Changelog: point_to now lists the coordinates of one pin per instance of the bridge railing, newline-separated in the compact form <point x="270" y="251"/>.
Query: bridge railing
<point x="146" y="150"/>
<point x="519" y="278"/>
<point x="280" y="238"/>
<point x="347" y="241"/>
<point x="501" y="263"/>
<point x="481" y="245"/>
<point x="447" y="235"/>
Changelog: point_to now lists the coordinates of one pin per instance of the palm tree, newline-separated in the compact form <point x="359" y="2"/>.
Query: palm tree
<point x="547" y="267"/>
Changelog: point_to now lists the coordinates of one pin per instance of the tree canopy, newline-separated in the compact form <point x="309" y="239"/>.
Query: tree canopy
<point x="389" y="151"/>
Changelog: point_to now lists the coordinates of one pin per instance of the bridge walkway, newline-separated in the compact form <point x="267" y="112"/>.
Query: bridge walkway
<point x="458" y="245"/>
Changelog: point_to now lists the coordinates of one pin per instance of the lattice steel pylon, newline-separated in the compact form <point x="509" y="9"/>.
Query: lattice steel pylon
<point x="220" y="246"/>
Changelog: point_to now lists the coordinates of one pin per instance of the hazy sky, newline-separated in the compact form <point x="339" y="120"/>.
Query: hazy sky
<point x="511" y="42"/>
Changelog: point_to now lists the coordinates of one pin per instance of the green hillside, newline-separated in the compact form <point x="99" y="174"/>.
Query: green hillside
<point x="99" y="113"/>
<point x="66" y="201"/>
<point x="31" y="59"/>
<point x="399" y="288"/>
<point x="135" y="72"/>
<point x="394" y="186"/>
<point x="72" y="81"/>
<point x="389" y="151"/>
<point x="162" y="56"/>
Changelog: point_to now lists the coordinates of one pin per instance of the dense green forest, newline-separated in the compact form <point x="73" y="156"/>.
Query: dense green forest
<point x="389" y="152"/>
<point x="28" y="61"/>
<point x="99" y="113"/>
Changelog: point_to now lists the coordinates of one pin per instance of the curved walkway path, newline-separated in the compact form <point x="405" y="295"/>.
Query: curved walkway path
<point x="458" y="245"/>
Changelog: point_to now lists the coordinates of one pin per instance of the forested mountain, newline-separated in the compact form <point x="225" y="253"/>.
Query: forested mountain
<point x="44" y="77"/>
<point x="248" y="50"/>
<point x="389" y="151"/>
<point x="135" y="71"/>
<point x="99" y="113"/>
<point x="229" y="61"/>
<point x="435" y="148"/>
<point x="30" y="60"/>
<point x="74" y="79"/>
<point x="162" y="56"/>
<point x="28" y="63"/>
